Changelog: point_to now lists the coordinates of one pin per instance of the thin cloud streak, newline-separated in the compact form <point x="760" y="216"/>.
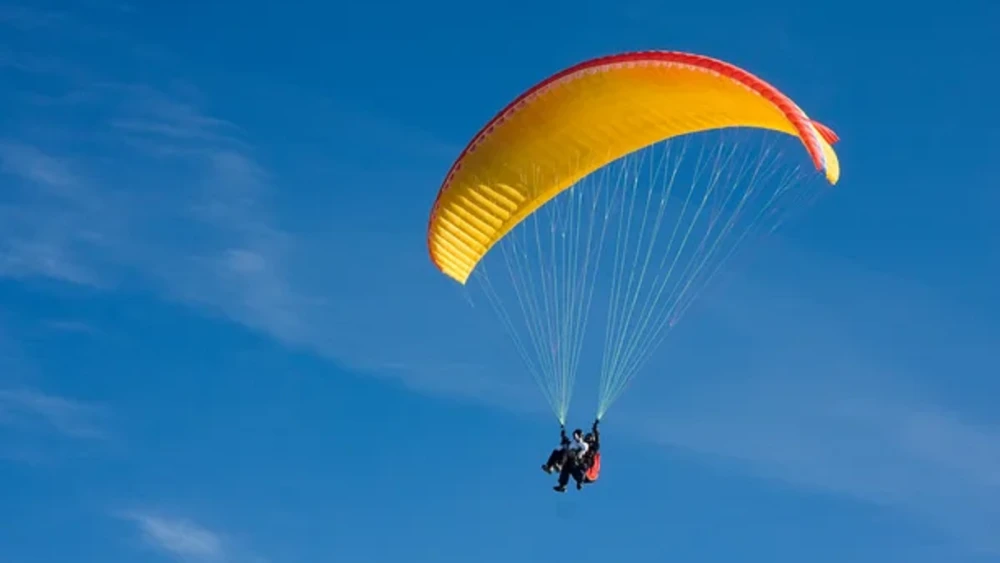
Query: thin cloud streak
<point x="809" y="404"/>
<point x="912" y="457"/>
<point x="71" y="326"/>
<point x="33" y="165"/>
<point x="179" y="538"/>
<point x="235" y="259"/>
<point x="31" y="409"/>
<point x="186" y="540"/>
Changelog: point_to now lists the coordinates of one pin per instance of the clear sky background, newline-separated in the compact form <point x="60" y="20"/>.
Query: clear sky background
<point x="221" y="339"/>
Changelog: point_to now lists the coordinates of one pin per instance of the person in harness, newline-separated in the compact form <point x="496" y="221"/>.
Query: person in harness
<point x="559" y="456"/>
<point x="592" y="459"/>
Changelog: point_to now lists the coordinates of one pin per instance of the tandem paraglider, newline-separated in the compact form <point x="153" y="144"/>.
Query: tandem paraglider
<point x="609" y="196"/>
<point x="579" y="458"/>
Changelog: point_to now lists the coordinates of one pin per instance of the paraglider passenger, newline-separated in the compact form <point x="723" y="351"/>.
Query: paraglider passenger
<point x="558" y="456"/>
<point x="573" y="462"/>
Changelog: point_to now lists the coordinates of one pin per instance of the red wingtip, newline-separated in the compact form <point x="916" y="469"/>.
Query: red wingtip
<point x="825" y="132"/>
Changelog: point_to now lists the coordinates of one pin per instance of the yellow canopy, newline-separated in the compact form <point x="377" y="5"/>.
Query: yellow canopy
<point x="584" y="118"/>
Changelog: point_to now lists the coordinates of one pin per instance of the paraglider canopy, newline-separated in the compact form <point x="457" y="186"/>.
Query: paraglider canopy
<point x="583" y="118"/>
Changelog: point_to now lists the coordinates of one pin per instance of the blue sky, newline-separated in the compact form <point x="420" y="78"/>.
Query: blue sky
<point x="221" y="338"/>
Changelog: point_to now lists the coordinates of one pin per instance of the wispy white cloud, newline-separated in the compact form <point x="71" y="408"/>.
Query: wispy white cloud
<point x="914" y="457"/>
<point x="179" y="538"/>
<point x="30" y="409"/>
<point x="71" y="325"/>
<point x="812" y="394"/>
<point x="185" y="207"/>
<point x="27" y="258"/>
<point x="33" y="165"/>
<point x="150" y="114"/>
<point x="38" y="427"/>
<point x="29" y="18"/>
<point x="183" y="539"/>
<point x="48" y="215"/>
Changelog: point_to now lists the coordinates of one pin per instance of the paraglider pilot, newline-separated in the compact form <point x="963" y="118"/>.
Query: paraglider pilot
<point x="593" y="440"/>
